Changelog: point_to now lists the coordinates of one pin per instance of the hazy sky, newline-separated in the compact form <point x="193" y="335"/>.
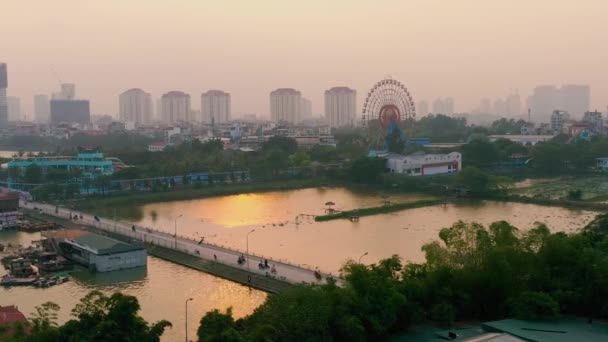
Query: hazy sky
<point x="467" y="49"/>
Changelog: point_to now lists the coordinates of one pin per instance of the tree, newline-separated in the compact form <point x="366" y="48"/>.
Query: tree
<point x="395" y="142"/>
<point x="87" y="183"/>
<point x="287" y="145"/>
<point x="532" y="305"/>
<point x="103" y="183"/>
<point x="110" y="318"/>
<point x="547" y="157"/>
<point x="479" y="152"/>
<point x="474" y="179"/>
<point x="300" y="158"/>
<point x="218" y="327"/>
<point x="33" y="174"/>
<point x="367" y="169"/>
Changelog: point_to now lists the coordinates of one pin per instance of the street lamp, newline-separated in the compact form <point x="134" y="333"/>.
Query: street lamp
<point x="253" y="230"/>
<point x="187" y="300"/>
<point x="175" y="234"/>
<point x="362" y="255"/>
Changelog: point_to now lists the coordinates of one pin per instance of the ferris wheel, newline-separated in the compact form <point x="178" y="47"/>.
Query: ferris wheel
<point x="389" y="102"/>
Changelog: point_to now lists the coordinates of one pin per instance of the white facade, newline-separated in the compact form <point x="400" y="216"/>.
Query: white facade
<point x="135" y="106"/>
<point x="157" y="146"/>
<point x="340" y="106"/>
<point x="42" y="109"/>
<point x="215" y="107"/>
<point x="176" y="107"/>
<point x="420" y="164"/>
<point x="285" y="105"/>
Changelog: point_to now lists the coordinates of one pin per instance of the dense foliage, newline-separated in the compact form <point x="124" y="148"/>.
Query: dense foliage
<point x="472" y="272"/>
<point x="96" y="318"/>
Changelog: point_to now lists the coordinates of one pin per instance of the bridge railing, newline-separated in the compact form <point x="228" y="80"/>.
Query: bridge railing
<point x="161" y="238"/>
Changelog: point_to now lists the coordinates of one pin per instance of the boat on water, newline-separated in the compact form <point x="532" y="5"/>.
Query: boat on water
<point x="7" y="280"/>
<point x="44" y="282"/>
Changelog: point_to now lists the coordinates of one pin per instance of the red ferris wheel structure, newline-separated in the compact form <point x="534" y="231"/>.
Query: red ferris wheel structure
<point x="389" y="102"/>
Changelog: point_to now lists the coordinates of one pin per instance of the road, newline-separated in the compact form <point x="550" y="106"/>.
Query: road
<point x="285" y="271"/>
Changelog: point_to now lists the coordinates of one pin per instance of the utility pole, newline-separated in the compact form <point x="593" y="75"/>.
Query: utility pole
<point x="187" y="300"/>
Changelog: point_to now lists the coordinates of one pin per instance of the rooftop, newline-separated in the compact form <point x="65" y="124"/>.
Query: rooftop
<point x="572" y="329"/>
<point x="106" y="245"/>
<point x="11" y="314"/>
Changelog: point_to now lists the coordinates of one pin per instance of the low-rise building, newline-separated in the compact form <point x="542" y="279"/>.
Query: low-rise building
<point x="101" y="253"/>
<point x="558" y="119"/>
<point x="158" y="146"/>
<point x="522" y="139"/>
<point x="421" y="164"/>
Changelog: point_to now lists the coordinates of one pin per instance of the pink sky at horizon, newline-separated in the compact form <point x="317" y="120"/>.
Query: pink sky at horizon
<point x="465" y="49"/>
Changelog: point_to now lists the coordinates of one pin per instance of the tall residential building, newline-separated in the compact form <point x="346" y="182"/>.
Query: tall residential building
<point x="3" y="104"/>
<point x="572" y="98"/>
<point x="14" y="108"/>
<point x="135" y="106"/>
<point x="513" y="105"/>
<point x="65" y="108"/>
<point x="42" y="109"/>
<point x="285" y="105"/>
<point x="500" y="107"/>
<point x="422" y="108"/>
<point x="215" y="107"/>
<point x="485" y="107"/>
<point x="340" y="106"/>
<point x="176" y="107"/>
<point x="305" y="109"/>
<point x="595" y="119"/>
<point x="448" y="102"/>
<point x="439" y="107"/>
<point x="575" y="99"/>
<point x="544" y="101"/>
<point x="70" y="111"/>
<point x="558" y="119"/>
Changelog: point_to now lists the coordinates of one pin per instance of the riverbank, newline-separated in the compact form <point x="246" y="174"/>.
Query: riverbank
<point x="384" y="209"/>
<point x="99" y="202"/>
<point x="586" y="205"/>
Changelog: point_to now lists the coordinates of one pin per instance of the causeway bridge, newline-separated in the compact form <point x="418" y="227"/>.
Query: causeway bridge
<point x="226" y="256"/>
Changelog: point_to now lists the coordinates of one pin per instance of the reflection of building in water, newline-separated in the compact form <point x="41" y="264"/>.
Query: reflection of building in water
<point x="99" y="253"/>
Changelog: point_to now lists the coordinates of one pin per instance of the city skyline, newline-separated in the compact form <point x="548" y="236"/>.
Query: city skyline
<point x="251" y="59"/>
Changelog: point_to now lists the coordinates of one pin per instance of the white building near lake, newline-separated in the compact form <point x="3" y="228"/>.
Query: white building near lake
<point x="421" y="164"/>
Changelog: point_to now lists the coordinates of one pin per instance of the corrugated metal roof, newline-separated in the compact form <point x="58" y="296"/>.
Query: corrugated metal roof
<point x="573" y="329"/>
<point x="106" y="245"/>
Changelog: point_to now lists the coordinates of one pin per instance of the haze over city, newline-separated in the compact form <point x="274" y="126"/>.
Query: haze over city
<point x="467" y="49"/>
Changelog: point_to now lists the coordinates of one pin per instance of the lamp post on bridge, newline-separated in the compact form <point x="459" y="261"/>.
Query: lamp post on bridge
<point x="187" y="300"/>
<point x="175" y="234"/>
<point x="253" y="230"/>
<point x="362" y="255"/>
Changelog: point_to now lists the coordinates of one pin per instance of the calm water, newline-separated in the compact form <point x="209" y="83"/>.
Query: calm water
<point x="161" y="288"/>
<point x="227" y="220"/>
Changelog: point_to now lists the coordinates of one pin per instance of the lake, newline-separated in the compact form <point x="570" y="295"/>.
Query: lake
<point x="226" y="221"/>
<point x="161" y="288"/>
